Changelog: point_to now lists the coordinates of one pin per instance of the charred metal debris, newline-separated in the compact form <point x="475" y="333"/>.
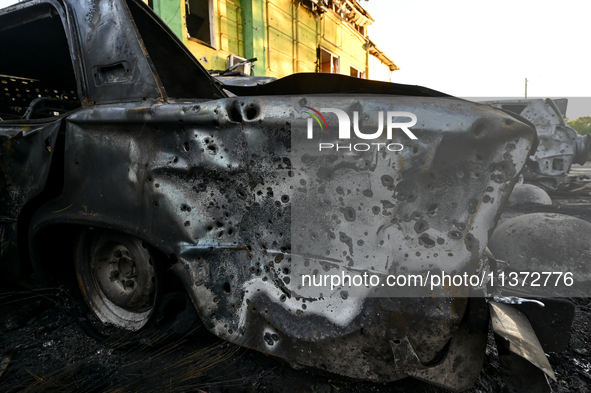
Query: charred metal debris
<point x="560" y="145"/>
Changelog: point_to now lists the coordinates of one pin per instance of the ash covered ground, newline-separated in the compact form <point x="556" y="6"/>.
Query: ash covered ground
<point x="44" y="346"/>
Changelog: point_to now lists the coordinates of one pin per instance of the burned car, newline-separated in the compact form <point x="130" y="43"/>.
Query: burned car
<point x="123" y="162"/>
<point x="560" y="145"/>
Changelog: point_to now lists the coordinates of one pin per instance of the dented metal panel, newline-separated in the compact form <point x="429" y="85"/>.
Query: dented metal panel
<point x="209" y="182"/>
<point x="113" y="58"/>
<point x="513" y="326"/>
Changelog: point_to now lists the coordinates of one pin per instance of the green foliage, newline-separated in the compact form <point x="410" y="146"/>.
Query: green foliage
<point x="582" y="125"/>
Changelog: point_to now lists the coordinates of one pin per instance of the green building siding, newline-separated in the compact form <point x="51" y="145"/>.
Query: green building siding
<point x="170" y="12"/>
<point x="254" y="31"/>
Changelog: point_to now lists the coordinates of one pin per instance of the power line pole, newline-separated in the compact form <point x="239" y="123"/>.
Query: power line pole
<point x="525" y="87"/>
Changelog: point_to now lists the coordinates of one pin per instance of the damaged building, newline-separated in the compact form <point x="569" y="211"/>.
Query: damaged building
<point x="286" y="36"/>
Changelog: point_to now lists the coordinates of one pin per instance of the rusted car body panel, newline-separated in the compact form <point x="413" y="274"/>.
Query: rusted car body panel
<point x="209" y="182"/>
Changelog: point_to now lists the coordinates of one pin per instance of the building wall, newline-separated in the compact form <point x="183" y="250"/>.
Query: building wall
<point x="291" y="32"/>
<point x="282" y="34"/>
<point x="340" y="39"/>
<point x="228" y="17"/>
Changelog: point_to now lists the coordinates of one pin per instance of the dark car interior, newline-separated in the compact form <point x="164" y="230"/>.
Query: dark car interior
<point x="37" y="79"/>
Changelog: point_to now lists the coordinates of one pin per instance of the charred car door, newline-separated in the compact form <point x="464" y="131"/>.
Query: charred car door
<point x="38" y="89"/>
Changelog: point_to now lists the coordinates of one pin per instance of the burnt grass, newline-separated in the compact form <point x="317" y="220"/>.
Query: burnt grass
<point x="44" y="347"/>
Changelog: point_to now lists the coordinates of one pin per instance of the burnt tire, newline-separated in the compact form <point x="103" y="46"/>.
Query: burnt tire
<point x="117" y="277"/>
<point x="127" y="296"/>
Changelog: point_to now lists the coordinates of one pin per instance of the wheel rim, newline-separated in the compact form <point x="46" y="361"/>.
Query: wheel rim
<point x="117" y="278"/>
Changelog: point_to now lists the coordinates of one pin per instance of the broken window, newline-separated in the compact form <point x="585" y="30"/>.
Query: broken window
<point x="357" y="73"/>
<point x="329" y="62"/>
<point x="199" y="16"/>
<point x="37" y="78"/>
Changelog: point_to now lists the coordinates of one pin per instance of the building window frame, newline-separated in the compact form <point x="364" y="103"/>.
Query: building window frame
<point x="328" y="59"/>
<point x="356" y="72"/>
<point x="210" y="26"/>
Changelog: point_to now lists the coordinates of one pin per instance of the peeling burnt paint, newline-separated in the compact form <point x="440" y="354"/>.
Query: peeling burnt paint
<point x="240" y="204"/>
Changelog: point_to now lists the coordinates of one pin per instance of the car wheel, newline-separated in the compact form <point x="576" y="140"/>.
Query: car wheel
<point x="118" y="278"/>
